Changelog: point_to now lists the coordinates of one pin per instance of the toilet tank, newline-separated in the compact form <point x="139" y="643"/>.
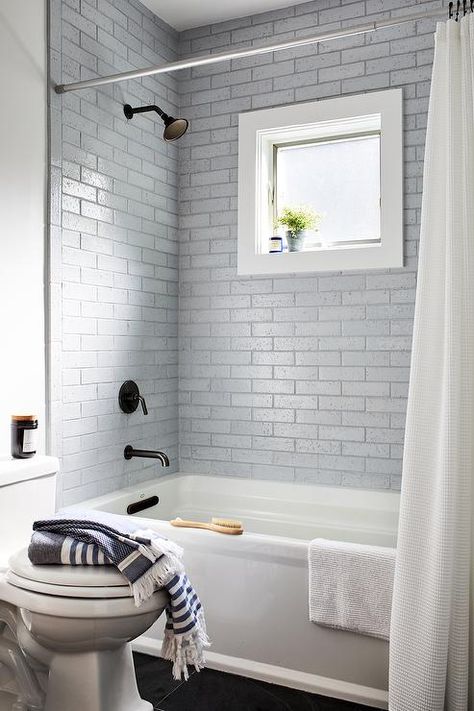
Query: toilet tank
<point x="27" y="493"/>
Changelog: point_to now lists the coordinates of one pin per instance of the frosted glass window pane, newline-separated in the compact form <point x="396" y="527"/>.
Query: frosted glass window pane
<point x="339" y="179"/>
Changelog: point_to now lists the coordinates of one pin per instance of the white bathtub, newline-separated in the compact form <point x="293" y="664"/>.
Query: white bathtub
<point x="254" y="587"/>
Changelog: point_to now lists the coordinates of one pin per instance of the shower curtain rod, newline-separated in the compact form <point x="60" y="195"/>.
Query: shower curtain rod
<point x="247" y="52"/>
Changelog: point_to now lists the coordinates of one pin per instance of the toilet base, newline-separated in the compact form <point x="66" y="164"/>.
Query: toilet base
<point x="96" y="681"/>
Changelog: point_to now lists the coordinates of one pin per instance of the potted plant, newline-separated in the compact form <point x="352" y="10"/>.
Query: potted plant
<point x="298" y="220"/>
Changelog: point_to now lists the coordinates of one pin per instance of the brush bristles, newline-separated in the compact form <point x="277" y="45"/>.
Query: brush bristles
<point x="226" y="523"/>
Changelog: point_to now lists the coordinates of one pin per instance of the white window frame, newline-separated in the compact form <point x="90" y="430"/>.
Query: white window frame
<point x="260" y="131"/>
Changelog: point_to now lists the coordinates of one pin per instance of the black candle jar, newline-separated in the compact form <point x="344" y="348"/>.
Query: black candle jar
<point x="24" y="432"/>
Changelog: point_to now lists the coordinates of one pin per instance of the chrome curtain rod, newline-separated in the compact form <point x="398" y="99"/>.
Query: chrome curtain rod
<point x="247" y="52"/>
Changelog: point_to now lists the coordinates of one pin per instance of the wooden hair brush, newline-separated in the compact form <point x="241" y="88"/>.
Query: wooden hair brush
<point x="219" y="525"/>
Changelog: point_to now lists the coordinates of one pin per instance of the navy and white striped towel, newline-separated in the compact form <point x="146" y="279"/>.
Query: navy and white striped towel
<point x="147" y="560"/>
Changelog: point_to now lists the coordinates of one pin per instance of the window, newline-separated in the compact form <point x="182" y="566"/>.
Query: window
<point x="343" y="184"/>
<point x="341" y="159"/>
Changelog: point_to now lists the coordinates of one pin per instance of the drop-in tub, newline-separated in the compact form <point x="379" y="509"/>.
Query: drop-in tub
<point x="254" y="587"/>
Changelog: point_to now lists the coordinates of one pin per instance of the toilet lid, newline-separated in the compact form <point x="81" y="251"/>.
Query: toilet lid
<point x="67" y="580"/>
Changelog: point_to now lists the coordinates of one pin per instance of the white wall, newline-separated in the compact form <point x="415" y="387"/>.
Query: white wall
<point x="22" y="210"/>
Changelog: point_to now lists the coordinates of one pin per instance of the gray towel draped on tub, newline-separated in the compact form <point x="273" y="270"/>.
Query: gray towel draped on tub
<point x="350" y="586"/>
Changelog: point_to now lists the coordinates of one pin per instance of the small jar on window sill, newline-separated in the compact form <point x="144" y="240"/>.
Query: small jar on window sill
<point x="24" y="436"/>
<point x="276" y="244"/>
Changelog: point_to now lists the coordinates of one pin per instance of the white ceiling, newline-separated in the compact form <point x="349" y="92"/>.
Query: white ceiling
<point x="183" y="14"/>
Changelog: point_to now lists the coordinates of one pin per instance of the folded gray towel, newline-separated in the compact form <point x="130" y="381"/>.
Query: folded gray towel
<point x="350" y="586"/>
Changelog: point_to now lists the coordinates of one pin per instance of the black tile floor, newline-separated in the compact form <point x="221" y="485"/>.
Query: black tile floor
<point x="215" y="691"/>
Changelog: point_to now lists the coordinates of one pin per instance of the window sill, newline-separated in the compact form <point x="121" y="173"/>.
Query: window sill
<point x="333" y="259"/>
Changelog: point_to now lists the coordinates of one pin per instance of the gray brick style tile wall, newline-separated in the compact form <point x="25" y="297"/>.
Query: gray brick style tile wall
<point x="114" y="247"/>
<point x="302" y="377"/>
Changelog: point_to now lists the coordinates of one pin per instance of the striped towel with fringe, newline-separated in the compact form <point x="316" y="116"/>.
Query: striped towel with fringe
<point x="147" y="560"/>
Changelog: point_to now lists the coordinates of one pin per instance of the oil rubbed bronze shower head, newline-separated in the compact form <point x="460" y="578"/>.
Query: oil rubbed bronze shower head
<point x="174" y="127"/>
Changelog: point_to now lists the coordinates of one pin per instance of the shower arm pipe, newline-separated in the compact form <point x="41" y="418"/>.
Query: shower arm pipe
<point x="248" y="51"/>
<point x="151" y="107"/>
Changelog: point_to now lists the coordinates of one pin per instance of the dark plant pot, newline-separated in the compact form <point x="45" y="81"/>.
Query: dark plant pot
<point x="295" y="241"/>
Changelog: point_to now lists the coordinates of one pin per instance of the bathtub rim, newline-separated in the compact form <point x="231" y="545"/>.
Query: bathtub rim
<point x="373" y="513"/>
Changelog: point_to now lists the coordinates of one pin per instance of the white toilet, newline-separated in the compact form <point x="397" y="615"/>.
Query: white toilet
<point x="64" y="631"/>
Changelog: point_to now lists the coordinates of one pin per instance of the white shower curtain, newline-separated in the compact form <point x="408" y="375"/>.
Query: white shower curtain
<point x="429" y="650"/>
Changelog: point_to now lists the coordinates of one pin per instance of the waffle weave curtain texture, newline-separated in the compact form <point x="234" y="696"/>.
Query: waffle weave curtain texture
<point x="429" y="651"/>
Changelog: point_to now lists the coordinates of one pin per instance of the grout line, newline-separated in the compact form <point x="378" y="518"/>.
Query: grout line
<point x="170" y="693"/>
